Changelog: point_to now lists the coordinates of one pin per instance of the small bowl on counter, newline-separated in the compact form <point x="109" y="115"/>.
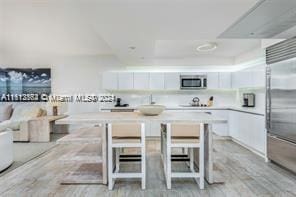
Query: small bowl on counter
<point x="151" y="110"/>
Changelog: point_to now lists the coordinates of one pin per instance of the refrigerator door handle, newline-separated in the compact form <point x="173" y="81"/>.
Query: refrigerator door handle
<point x="268" y="99"/>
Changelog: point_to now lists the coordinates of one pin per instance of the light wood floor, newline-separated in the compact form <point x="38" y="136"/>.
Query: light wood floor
<point x="245" y="174"/>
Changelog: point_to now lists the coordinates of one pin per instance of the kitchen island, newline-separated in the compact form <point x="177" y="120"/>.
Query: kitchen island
<point x="103" y="118"/>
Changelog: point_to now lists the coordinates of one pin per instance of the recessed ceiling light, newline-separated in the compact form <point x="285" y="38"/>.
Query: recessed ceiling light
<point x="132" y="47"/>
<point x="209" y="46"/>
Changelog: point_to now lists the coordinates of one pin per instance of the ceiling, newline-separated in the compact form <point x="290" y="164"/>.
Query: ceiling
<point x="162" y="31"/>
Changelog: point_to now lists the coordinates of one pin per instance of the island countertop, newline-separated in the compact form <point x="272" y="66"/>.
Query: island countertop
<point x="165" y="117"/>
<point x="248" y="110"/>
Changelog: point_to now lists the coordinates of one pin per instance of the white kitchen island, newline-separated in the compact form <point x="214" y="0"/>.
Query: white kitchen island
<point x="104" y="118"/>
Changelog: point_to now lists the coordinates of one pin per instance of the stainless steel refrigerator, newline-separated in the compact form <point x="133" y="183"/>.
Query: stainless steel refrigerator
<point x="281" y="103"/>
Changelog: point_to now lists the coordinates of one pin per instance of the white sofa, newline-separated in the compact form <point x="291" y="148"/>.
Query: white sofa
<point x="19" y="122"/>
<point x="6" y="149"/>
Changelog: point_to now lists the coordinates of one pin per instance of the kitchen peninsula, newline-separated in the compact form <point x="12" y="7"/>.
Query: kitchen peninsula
<point x="104" y="118"/>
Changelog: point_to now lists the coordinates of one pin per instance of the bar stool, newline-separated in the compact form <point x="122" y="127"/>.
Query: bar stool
<point x="183" y="135"/>
<point x="125" y="135"/>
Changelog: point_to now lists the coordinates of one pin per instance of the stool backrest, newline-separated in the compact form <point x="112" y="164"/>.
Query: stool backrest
<point x="185" y="130"/>
<point x="126" y="130"/>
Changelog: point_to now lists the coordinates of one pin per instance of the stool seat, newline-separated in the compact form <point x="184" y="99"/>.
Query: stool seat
<point x="126" y="130"/>
<point x="185" y="130"/>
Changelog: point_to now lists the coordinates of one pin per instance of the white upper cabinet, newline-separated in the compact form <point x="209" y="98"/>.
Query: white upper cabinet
<point x="242" y="79"/>
<point x="110" y="81"/>
<point x="249" y="78"/>
<point x="141" y="81"/>
<point x="125" y="81"/>
<point x="259" y="78"/>
<point x="213" y="80"/>
<point x="225" y="80"/>
<point x="156" y="81"/>
<point x="172" y="81"/>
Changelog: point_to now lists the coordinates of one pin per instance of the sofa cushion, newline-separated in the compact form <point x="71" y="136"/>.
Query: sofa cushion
<point x="25" y="112"/>
<point x="5" y="112"/>
<point x="9" y="125"/>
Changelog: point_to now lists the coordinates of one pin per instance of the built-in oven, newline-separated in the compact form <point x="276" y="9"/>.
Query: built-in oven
<point x="193" y="82"/>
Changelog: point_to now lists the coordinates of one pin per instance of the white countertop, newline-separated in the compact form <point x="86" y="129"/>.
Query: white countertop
<point x="233" y="108"/>
<point x="165" y="117"/>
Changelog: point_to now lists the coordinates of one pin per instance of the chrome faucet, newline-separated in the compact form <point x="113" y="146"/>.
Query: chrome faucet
<point x="151" y="99"/>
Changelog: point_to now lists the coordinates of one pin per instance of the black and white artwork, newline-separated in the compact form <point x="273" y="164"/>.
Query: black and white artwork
<point x="15" y="83"/>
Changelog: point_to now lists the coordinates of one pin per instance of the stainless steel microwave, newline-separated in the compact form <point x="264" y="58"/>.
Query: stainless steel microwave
<point x="193" y="82"/>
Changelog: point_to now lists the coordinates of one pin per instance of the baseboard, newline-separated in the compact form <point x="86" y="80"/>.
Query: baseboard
<point x="218" y="137"/>
<point x="249" y="148"/>
<point x="4" y="169"/>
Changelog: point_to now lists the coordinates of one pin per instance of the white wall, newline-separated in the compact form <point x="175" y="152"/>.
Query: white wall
<point x="252" y="55"/>
<point x="70" y="75"/>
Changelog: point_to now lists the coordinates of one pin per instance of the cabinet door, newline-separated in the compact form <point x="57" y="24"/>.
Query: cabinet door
<point x="235" y="80"/>
<point x="249" y="129"/>
<point x="221" y="129"/>
<point x="257" y="137"/>
<point x="110" y="81"/>
<point x="242" y="79"/>
<point x="245" y="128"/>
<point x="172" y="81"/>
<point x="156" y="81"/>
<point x="141" y="81"/>
<point x="233" y="124"/>
<point x="125" y="81"/>
<point x="225" y="80"/>
<point x="213" y="80"/>
<point x="148" y="129"/>
<point x="155" y="129"/>
<point x="258" y="78"/>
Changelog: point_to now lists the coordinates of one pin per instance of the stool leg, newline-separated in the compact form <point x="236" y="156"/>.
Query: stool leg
<point x="191" y="159"/>
<point x="168" y="158"/>
<point x="164" y="152"/>
<point x="110" y="158"/>
<point x="143" y="156"/>
<point x="117" y="155"/>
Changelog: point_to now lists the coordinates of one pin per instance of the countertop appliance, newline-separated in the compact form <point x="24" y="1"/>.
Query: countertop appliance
<point x="195" y="101"/>
<point x="281" y="103"/>
<point x="193" y="82"/>
<point x="118" y="103"/>
<point x="248" y="100"/>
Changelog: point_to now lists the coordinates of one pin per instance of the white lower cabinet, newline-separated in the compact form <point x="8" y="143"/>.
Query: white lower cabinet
<point x="221" y="129"/>
<point x="248" y="129"/>
<point x="154" y="129"/>
<point x="148" y="129"/>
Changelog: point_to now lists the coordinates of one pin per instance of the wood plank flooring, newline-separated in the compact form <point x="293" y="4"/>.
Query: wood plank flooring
<point x="245" y="174"/>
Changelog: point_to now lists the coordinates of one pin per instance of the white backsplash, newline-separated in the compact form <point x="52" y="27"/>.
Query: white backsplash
<point x="221" y="98"/>
<point x="259" y="98"/>
<point x="225" y="98"/>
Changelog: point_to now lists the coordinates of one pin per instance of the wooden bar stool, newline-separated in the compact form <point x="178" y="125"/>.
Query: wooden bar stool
<point x="183" y="135"/>
<point x="125" y="135"/>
